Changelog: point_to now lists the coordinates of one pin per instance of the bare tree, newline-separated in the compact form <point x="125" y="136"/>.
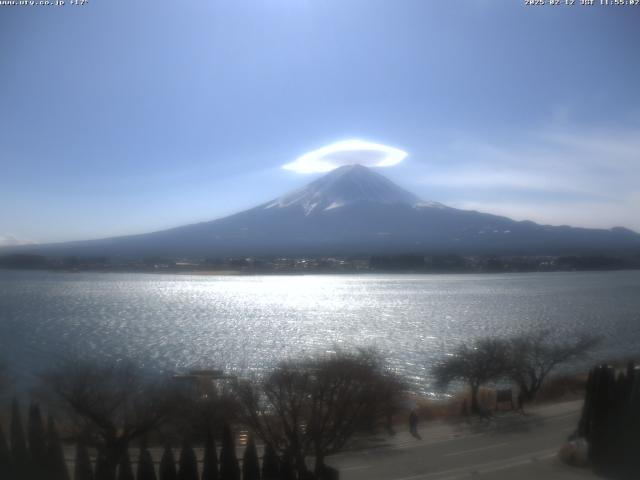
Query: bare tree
<point x="312" y="408"/>
<point x="475" y="365"/>
<point x="532" y="357"/>
<point x="110" y="405"/>
<point x="204" y="411"/>
<point x="389" y="399"/>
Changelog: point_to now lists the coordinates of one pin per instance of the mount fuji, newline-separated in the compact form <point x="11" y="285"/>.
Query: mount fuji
<point x="353" y="210"/>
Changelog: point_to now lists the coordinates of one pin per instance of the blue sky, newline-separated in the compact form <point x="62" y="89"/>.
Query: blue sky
<point x="124" y="117"/>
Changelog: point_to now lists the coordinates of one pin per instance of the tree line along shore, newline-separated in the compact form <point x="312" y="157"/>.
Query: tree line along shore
<point x="404" y="263"/>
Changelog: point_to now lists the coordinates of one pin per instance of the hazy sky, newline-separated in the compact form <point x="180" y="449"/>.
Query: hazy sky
<point x="128" y="116"/>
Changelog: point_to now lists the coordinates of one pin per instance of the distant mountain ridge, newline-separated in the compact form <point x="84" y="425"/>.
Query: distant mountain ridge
<point x="352" y="210"/>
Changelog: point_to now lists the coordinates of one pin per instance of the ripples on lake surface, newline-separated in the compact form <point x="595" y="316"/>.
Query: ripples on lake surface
<point x="248" y="323"/>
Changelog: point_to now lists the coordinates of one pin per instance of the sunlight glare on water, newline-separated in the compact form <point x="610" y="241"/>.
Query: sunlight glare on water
<point x="246" y="324"/>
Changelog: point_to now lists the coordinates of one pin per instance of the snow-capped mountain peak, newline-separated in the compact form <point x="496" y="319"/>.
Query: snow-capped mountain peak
<point x="344" y="186"/>
<point x="351" y="210"/>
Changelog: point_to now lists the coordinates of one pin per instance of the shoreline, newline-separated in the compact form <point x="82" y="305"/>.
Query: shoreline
<point x="226" y="273"/>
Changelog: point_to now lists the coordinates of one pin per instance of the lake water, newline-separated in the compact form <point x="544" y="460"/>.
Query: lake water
<point x="248" y="323"/>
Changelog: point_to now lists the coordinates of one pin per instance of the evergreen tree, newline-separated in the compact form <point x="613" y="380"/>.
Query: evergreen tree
<point x="103" y="471"/>
<point x="188" y="463"/>
<point x="168" y="465"/>
<point x="229" y="468"/>
<point x="125" y="471"/>
<point x="19" y="452"/>
<point x="82" y="470"/>
<point x="57" y="465"/>
<point x="210" y="468"/>
<point x="287" y="472"/>
<point x="37" y="441"/>
<point x="250" y="462"/>
<point x="611" y="420"/>
<point x="6" y="467"/>
<point x="146" y="471"/>
<point x="270" y="464"/>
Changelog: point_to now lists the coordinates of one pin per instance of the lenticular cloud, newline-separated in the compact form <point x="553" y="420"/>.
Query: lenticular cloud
<point x="346" y="153"/>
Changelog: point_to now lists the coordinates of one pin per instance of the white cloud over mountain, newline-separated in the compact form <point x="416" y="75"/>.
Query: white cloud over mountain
<point x="347" y="152"/>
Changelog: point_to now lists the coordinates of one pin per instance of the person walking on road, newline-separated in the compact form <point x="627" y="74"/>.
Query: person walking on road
<point x="413" y="424"/>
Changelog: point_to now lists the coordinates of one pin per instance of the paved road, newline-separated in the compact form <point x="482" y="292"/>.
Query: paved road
<point x="508" y="447"/>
